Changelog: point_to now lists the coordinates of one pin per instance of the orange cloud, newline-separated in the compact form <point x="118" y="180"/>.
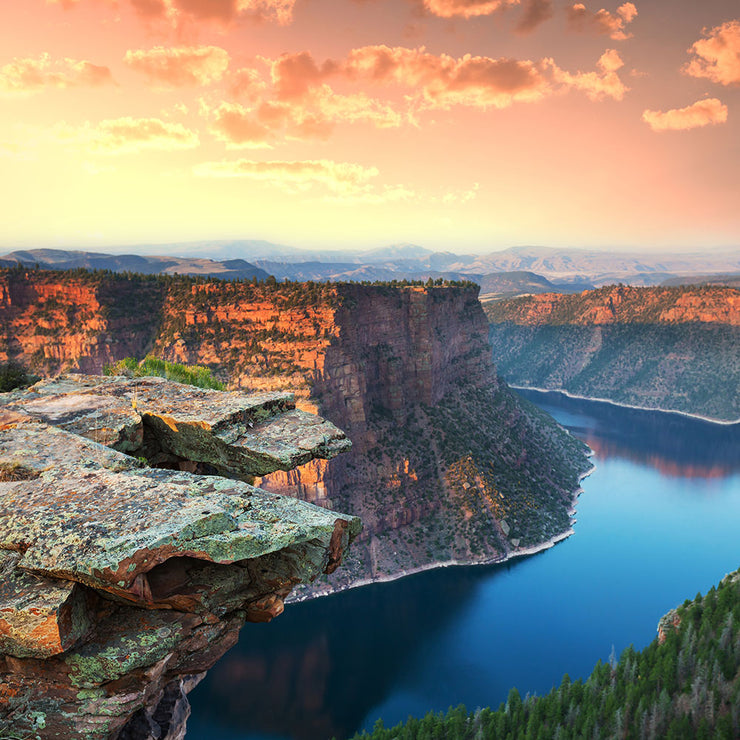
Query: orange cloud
<point x="602" y="22"/>
<point x="223" y="11"/>
<point x="717" y="55"/>
<point x="294" y="74"/>
<point x="226" y="10"/>
<point x="536" y="12"/>
<point x="301" y="104"/>
<point x="179" y="66"/>
<point x="25" y="76"/>
<point x="312" y="117"/>
<point x="444" y="80"/>
<point x="239" y="127"/>
<point x="702" y="113"/>
<point x="466" y="8"/>
<point x="604" y="83"/>
<point x="130" y="135"/>
<point x="338" y="177"/>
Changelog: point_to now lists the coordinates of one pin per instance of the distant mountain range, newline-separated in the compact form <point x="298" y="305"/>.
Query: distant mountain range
<point x="506" y="273"/>
<point x="60" y="259"/>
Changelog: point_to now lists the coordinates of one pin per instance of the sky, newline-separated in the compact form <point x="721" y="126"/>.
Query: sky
<point x="464" y="125"/>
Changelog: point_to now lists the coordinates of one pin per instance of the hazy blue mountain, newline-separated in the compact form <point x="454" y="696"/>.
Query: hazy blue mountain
<point x="730" y="280"/>
<point x="59" y="259"/>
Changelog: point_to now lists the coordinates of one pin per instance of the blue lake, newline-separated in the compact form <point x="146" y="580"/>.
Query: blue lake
<point x="659" y="520"/>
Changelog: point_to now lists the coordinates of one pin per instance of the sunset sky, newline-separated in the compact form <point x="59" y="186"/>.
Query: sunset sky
<point x="464" y="125"/>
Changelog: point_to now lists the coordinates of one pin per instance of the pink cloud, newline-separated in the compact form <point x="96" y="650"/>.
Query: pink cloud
<point x="466" y="8"/>
<point x="702" y="113"/>
<point x="717" y="57"/>
<point x="602" y="21"/>
<point x="603" y="83"/>
<point x="33" y="75"/>
<point x="294" y="74"/>
<point x="179" y="66"/>
<point x="221" y="11"/>
<point x="314" y="116"/>
<point x="445" y="80"/>
<point x="238" y="127"/>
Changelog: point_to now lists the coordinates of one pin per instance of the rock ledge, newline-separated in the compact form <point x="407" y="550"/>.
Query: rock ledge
<point x="122" y="583"/>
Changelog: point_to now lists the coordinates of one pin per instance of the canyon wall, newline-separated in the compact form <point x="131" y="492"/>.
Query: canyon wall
<point x="447" y="464"/>
<point x="669" y="348"/>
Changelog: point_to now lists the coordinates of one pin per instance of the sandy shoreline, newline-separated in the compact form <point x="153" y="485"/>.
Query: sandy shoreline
<point x="575" y="396"/>
<point x="517" y="553"/>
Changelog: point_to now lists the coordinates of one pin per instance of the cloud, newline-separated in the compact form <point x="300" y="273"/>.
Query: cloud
<point x="466" y="8"/>
<point x="604" y="83"/>
<point x="300" y="103"/>
<point x="536" y="12"/>
<point x="602" y="22"/>
<point x="702" y="113"/>
<point x="717" y="55"/>
<point x="24" y="76"/>
<point x="280" y="11"/>
<point x="445" y="81"/>
<point x="293" y="176"/>
<point x="129" y="135"/>
<point x="179" y="66"/>
<point x="293" y="75"/>
<point x="239" y="127"/>
<point x="222" y="11"/>
<point x="312" y="117"/>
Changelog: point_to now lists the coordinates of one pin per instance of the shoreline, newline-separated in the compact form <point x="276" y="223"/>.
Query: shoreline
<point x="511" y="555"/>
<point x="576" y="397"/>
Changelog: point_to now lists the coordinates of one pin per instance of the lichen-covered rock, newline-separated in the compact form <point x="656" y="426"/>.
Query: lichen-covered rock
<point x="120" y="584"/>
<point x="40" y="617"/>
<point x="234" y="433"/>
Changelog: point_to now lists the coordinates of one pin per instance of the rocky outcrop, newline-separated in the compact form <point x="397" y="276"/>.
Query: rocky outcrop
<point x="442" y="450"/>
<point x="667" y="348"/>
<point x="122" y="583"/>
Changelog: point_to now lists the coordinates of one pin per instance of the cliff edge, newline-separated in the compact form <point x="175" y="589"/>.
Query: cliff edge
<point x="123" y="583"/>
<point x="447" y="464"/>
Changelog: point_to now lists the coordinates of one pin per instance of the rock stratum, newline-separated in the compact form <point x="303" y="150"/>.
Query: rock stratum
<point x="126" y="570"/>
<point x="670" y="348"/>
<point x="447" y="464"/>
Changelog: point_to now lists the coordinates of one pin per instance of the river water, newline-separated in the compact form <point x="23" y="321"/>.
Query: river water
<point x="658" y="520"/>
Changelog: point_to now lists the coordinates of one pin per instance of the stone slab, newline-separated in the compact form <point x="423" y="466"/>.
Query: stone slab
<point x="39" y="617"/>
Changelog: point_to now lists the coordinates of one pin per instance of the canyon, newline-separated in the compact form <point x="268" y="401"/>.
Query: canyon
<point x="668" y="348"/>
<point x="447" y="464"/>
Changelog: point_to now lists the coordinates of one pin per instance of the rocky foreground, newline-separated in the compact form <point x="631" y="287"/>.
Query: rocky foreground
<point x="133" y="548"/>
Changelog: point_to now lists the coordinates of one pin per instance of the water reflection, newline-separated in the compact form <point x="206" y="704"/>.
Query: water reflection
<point x="676" y="445"/>
<point x="302" y="677"/>
<point x="657" y="522"/>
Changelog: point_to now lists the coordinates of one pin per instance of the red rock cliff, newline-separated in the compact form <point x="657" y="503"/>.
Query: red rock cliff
<point x="623" y="304"/>
<point x="446" y="464"/>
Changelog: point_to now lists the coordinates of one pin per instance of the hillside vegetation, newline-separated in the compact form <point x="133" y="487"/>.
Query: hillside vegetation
<point x="668" y="348"/>
<point x="684" y="685"/>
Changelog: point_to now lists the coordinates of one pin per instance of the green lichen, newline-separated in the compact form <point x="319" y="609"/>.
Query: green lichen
<point x="90" y="669"/>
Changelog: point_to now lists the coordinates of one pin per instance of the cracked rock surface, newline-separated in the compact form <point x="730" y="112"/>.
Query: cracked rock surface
<point x="120" y="583"/>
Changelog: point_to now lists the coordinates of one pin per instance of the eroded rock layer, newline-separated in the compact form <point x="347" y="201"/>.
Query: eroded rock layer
<point x="122" y="583"/>
<point x="672" y="348"/>
<point x="447" y="464"/>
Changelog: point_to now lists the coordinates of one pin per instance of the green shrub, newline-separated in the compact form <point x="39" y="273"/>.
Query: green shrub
<point x="150" y="365"/>
<point x="14" y="375"/>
